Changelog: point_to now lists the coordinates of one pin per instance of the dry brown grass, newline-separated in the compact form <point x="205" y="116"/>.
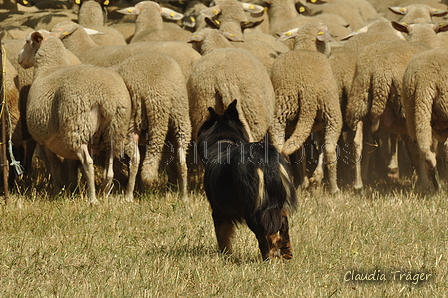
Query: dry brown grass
<point x="161" y="247"/>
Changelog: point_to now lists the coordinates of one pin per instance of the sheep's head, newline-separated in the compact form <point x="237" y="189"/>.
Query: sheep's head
<point x="166" y="13"/>
<point x="32" y="45"/>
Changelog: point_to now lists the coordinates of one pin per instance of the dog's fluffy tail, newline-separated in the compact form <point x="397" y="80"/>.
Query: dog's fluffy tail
<point x="276" y="193"/>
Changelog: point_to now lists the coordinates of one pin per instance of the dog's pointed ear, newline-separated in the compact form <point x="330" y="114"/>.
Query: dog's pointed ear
<point x="231" y="110"/>
<point x="213" y="114"/>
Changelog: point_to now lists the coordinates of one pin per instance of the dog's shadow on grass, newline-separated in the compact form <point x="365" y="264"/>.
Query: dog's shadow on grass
<point x="200" y="252"/>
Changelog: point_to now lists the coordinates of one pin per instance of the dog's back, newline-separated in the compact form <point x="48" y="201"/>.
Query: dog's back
<point x="245" y="182"/>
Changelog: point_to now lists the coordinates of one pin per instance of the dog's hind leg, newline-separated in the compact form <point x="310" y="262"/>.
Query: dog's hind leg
<point x="258" y="230"/>
<point x="224" y="232"/>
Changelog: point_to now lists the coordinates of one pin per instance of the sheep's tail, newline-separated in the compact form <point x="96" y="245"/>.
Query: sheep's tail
<point x="418" y="100"/>
<point x="307" y="115"/>
<point x="276" y="193"/>
<point x="358" y="99"/>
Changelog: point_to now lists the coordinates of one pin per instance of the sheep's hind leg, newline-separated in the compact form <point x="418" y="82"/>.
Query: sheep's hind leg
<point x="134" y="161"/>
<point x="106" y="187"/>
<point x="55" y="170"/>
<point x="87" y="164"/>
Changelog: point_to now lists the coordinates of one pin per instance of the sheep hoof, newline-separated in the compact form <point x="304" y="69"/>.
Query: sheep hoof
<point x="94" y="202"/>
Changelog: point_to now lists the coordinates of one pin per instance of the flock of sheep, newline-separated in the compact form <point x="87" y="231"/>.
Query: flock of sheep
<point x="81" y="82"/>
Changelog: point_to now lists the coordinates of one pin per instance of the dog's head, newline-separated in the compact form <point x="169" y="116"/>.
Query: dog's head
<point x="223" y="127"/>
<point x="279" y="243"/>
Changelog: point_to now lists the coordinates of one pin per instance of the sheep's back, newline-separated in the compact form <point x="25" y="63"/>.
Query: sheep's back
<point x="228" y="74"/>
<point x="62" y="102"/>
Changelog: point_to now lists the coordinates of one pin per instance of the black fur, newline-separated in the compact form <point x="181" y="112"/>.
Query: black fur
<point x="233" y="168"/>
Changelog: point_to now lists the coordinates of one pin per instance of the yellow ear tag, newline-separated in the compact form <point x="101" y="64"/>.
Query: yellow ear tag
<point x="265" y="9"/>
<point x="77" y="2"/>
<point x="65" y="33"/>
<point x="320" y="33"/>
<point x="172" y="14"/>
<point x="195" y="36"/>
<point x="217" y="22"/>
<point x="441" y="24"/>
<point x="435" y="10"/>
<point x="403" y="23"/>
<point x="302" y="9"/>
<point x="192" y="19"/>
<point x="106" y="2"/>
<point x="215" y="12"/>
<point x="313" y="1"/>
<point x="251" y="7"/>
<point x="232" y="35"/>
<point x="25" y="2"/>
<point x="129" y="10"/>
<point x="402" y="9"/>
<point x="288" y="33"/>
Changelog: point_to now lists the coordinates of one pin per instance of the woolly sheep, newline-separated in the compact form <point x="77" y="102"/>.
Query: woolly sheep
<point x="230" y="15"/>
<point x="91" y="16"/>
<point x="376" y="89"/>
<point x="70" y="106"/>
<point x="78" y="41"/>
<point x="417" y="13"/>
<point x="149" y="24"/>
<point x="425" y="104"/>
<point x="160" y="101"/>
<point x="306" y="94"/>
<point x="347" y="11"/>
<point x="224" y="74"/>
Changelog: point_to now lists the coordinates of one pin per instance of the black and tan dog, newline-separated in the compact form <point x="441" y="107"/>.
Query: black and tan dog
<point x="245" y="182"/>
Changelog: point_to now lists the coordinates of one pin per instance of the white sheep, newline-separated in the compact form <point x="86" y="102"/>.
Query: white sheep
<point x="224" y="74"/>
<point x="425" y="104"/>
<point x="91" y="15"/>
<point x="230" y="17"/>
<point x="73" y="106"/>
<point x="149" y="24"/>
<point x="376" y="88"/>
<point x="160" y="105"/>
<point x="306" y="96"/>
<point x="77" y="40"/>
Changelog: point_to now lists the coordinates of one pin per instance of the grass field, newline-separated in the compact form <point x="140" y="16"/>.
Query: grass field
<point x="161" y="247"/>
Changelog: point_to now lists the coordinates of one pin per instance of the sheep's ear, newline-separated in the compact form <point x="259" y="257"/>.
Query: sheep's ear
<point x="256" y="11"/>
<point x="129" y="10"/>
<point x="356" y="32"/>
<point x="438" y="13"/>
<point x="231" y="110"/>
<point x="36" y="37"/>
<point x="170" y="14"/>
<point x="211" y="11"/>
<point x="26" y="3"/>
<point x="324" y="34"/>
<point x="195" y="38"/>
<point x="248" y="25"/>
<point x="402" y="27"/>
<point x="232" y="37"/>
<point x="398" y="10"/>
<point x="315" y="2"/>
<point x="303" y="10"/>
<point x="441" y="27"/>
<point x="212" y="22"/>
<point x="93" y="32"/>
<point x="288" y="34"/>
<point x="189" y="21"/>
